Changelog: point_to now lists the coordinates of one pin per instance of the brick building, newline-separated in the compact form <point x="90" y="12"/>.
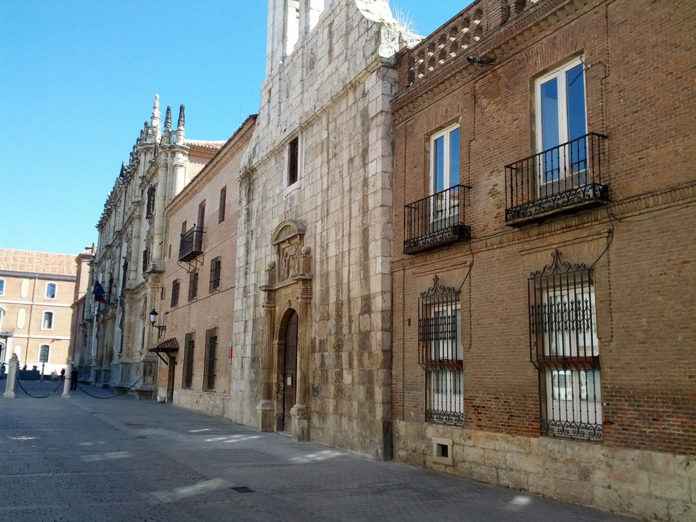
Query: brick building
<point x="543" y="271"/>
<point x="194" y="310"/>
<point x="36" y="294"/>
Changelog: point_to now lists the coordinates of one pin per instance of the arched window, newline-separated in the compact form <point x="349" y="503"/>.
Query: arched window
<point x="44" y="352"/>
<point x="47" y="323"/>
<point x="51" y="290"/>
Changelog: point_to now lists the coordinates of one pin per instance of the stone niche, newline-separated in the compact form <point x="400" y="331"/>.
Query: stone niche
<point x="284" y="404"/>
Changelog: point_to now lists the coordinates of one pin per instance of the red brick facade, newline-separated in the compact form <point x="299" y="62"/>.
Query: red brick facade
<point x="640" y="71"/>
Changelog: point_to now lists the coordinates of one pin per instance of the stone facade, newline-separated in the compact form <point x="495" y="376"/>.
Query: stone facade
<point x="204" y="316"/>
<point x="82" y="314"/>
<point x="312" y="316"/>
<point x="129" y="260"/>
<point x="480" y="73"/>
<point x="36" y="292"/>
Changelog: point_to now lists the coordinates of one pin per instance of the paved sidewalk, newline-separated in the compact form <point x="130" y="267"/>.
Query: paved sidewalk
<point x="86" y="459"/>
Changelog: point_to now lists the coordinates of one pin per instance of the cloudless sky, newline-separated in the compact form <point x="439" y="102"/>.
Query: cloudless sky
<point x="77" y="78"/>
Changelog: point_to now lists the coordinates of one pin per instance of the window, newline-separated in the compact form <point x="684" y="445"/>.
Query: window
<point x="441" y="354"/>
<point x="146" y="260"/>
<point x="210" y="359"/>
<point x="175" y="293"/>
<point x="2" y="317"/>
<point x="223" y="204"/>
<point x="561" y="118"/>
<point x="293" y="161"/>
<point x="193" y="286"/>
<point x="187" y="370"/>
<point x="162" y="294"/>
<point x="292" y="25"/>
<point x="47" y="322"/>
<point x="150" y="206"/>
<point x="2" y="287"/>
<point x="23" y="288"/>
<point x="215" y="269"/>
<point x="565" y="350"/>
<point x="51" y="289"/>
<point x="44" y="352"/>
<point x="201" y="216"/>
<point x="445" y="175"/>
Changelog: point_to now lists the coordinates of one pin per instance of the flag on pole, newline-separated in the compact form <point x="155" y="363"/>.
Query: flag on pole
<point x="99" y="293"/>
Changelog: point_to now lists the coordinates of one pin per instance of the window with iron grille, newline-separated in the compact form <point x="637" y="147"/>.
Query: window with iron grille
<point x="223" y="204"/>
<point x="193" y="286"/>
<point x="175" y="293"/>
<point x="440" y="353"/>
<point x="215" y="270"/>
<point x="565" y="349"/>
<point x="187" y="370"/>
<point x="210" y="359"/>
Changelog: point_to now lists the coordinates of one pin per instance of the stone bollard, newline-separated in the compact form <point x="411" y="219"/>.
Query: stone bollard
<point x="68" y="380"/>
<point x="12" y="369"/>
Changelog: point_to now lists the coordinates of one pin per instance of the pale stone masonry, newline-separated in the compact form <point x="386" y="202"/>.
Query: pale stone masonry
<point x="314" y="255"/>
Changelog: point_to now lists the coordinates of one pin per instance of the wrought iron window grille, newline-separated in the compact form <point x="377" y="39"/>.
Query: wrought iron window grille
<point x="440" y="353"/>
<point x="436" y="220"/>
<point x="561" y="179"/>
<point x="191" y="244"/>
<point x="564" y="348"/>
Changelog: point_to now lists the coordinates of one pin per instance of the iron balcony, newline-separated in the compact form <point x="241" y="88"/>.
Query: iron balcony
<point x="191" y="244"/>
<point x="435" y="221"/>
<point x="561" y="179"/>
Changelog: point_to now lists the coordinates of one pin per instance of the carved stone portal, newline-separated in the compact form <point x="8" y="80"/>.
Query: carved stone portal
<point x="284" y="404"/>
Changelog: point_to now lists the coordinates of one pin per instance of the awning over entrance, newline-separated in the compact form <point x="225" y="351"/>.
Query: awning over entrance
<point x="169" y="346"/>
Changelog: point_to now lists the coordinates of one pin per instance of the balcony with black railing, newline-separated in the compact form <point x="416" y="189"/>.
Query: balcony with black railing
<point x="191" y="244"/>
<point x="436" y="221"/>
<point x="561" y="179"/>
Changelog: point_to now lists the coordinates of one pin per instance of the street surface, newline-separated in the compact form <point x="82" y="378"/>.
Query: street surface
<point x="86" y="459"/>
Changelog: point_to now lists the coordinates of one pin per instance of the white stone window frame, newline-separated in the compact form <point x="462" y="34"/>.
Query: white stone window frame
<point x="43" y="321"/>
<point x="55" y="290"/>
<point x="289" y="189"/>
<point x="3" y="314"/>
<point x="2" y="286"/>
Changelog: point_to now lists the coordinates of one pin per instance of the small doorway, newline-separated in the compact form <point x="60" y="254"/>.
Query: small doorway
<point x="288" y="370"/>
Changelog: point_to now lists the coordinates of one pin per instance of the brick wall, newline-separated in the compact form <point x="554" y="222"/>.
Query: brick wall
<point x="639" y="60"/>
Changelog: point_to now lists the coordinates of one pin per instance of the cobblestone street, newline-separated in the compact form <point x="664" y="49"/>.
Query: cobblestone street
<point x="122" y="459"/>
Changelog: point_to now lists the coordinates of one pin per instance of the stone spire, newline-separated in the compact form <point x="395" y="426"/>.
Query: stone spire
<point x="155" y="119"/>
<point x="168" y="119"/>
<point x="180" y="128"/>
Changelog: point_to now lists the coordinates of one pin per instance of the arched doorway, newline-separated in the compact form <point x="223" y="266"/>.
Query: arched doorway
<point x="287" y="378"/>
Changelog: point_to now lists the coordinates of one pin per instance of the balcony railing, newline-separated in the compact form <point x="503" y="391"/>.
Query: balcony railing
<point x="191" y="245"/>
<point x="436" y="221"/>
<point x="561" y="179"/>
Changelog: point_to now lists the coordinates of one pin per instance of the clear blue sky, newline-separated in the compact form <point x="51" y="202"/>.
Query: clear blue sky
<point x="77" y="79"/>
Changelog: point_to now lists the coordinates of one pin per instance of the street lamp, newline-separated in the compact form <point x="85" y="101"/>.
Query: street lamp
<point x="153" y="322"/>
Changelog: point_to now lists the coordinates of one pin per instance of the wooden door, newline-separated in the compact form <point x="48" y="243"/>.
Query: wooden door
<point x="289" y="370"/>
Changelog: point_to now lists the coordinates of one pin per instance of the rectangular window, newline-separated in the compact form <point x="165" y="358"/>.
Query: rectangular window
<point x="187" y="370"/>
<point x="51" y="289"/>
<point x="565" y="350"/>
<point x="210" y="359"/>
<point x="223" y="204"/>
<point x="146" y="261"/>
<point x="175" y="293"/>
<point x="2" y="287"/>
<point x="444" y="175"/>
<point x="193" y="286"/>
<point x="215" y="270"/>
<point x="47" y="321"/>
<point x="44" y="352"/>
<point x="201" y="216"/>
<point x="561" y="120"/>
<point x="441" y="354"/>
<point x="293" y="161"/>
<point x="150" y="206"/>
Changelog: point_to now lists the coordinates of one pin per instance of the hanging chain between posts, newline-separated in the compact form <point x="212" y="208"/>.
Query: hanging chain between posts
<point x="21" y="387"/>
<point x="113" y="395"/>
